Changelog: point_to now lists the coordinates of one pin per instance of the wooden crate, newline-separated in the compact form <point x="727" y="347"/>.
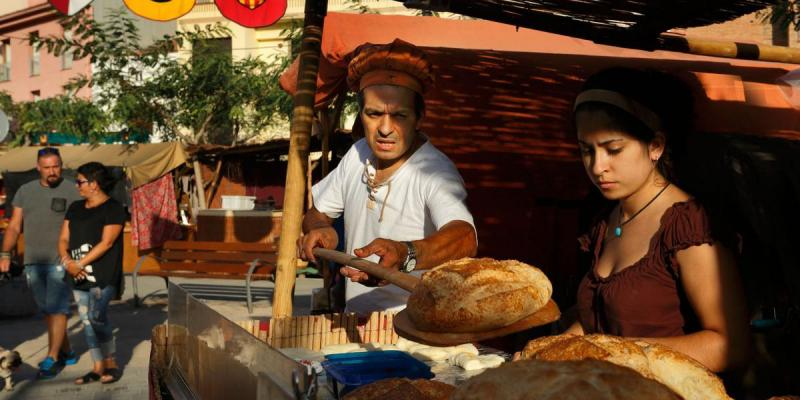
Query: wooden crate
<point x="317" y="331"/>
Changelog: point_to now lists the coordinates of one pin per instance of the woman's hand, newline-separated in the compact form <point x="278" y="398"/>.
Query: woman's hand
<point x="75" y="269"/>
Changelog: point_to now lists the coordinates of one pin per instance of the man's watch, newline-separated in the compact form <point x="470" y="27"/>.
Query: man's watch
<point x="411" y="258"/>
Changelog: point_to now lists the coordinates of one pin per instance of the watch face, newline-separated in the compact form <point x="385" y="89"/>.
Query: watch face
<point x="412" y="263"/>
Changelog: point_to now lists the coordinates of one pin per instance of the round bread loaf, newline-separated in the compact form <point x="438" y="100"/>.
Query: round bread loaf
<point x="562" y="380"/>
<point x="402" y="388"/>
<point x="685" y="376"/>
<point x="682" y="373"/>
<point x="599" y="347"/>
<point x="475" y="295"/>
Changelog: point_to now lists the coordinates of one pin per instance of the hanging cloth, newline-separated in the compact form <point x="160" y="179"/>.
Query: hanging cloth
<point x="154" y="216"/>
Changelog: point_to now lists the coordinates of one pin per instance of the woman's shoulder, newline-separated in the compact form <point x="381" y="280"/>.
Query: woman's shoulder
<point x="77" y="205"/>
<point x="685" y="223"/>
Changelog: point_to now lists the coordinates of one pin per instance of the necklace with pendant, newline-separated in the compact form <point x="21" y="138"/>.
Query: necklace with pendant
<point x="618" y="229"/>
<point x="372" y="188"/>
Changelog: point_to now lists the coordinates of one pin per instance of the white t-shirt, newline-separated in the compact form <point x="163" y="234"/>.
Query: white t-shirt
<point x="424" y="194"/>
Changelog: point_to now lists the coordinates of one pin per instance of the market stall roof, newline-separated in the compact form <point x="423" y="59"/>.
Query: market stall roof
<point x="629" y="23"/>
<point x="142" y="162"/>
<point x="504" y="89"/>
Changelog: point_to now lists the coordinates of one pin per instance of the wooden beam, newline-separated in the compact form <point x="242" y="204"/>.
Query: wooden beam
<point x="198" y="180"/>
<point x="728" y="49"/>
<point x="302" y="118"/>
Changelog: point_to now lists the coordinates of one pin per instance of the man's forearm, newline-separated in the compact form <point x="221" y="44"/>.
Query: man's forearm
<point x="454" y="240"/>
<point x="315" y="220"/>
<point x="10" y="239"/>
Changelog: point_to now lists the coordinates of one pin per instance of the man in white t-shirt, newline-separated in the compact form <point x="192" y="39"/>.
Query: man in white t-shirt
<point x="403" y="201"/>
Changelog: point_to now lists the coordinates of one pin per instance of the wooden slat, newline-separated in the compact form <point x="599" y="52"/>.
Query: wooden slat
<point x="240" y="269"/>
<point x="258" y="276"/>
<point x="264" y="257"/>
<point x="223" y="246"/>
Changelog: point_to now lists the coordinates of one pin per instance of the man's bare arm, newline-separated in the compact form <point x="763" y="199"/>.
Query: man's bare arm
<point x="10" y="238"/>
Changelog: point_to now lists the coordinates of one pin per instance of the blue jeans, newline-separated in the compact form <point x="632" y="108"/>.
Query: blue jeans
<point x="50" y="290"/>
<point x="93" y="311"/>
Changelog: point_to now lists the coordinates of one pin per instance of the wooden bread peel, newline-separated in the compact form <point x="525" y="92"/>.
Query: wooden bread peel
<point x="402" y="323"/>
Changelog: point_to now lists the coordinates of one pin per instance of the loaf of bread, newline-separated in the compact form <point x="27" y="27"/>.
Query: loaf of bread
<point x="599" y="347"/>
<point x="475" y="295"/>
<point x="562" y="380"/>
<point x="682" y="373"/>
<point x="685" y="376"/>
<point x="402" y="388"/>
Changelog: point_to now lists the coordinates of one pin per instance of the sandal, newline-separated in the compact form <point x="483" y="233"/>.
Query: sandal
<point x="114" y="375"/>
<point x="90" y="377"/>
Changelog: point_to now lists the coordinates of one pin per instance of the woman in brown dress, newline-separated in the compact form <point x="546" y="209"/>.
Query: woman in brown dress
<point x="657" y="273"/>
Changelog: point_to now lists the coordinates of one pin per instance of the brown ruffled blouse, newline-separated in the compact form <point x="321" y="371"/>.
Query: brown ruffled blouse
<point x="647" y="298"/>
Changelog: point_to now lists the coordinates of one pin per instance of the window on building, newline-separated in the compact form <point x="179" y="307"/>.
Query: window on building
<point x="68" y="56"/>
<point x="35" y="56"/>
<point x="36" y="95"/>
<point x="206" y="47"/>
<point x="5" y="60"/>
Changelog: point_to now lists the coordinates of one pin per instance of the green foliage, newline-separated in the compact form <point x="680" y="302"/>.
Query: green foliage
<point x="211" y="98"/>
<point x="360" y="7"/>
<point x="62" y="114"/>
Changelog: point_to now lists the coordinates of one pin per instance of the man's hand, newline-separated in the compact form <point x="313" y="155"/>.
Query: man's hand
<point x="393" y="255"/>
<point x="321" y="237"/>
<point x="5" y="264"/>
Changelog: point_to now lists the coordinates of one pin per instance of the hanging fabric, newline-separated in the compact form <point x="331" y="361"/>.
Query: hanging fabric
<point x="160" y="10"/>
<point x="154" y="215"/>
<point x="252" y="13"/>
<point x="69" y="7"/>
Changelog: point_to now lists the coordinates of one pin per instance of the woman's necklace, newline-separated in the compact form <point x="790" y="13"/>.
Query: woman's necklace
<point x="618" y="229"/>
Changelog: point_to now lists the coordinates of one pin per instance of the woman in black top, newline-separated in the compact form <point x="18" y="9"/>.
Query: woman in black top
<point x="91" y="248"/>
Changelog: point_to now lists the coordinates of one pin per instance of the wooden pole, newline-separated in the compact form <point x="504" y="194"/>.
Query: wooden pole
<point x="198" y="180"/>
<point x="302" y="118"/>
<point x="728" y="49"/>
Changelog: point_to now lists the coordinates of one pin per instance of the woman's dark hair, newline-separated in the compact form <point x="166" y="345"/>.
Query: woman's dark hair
<point x="96" y="172"/>
<point x="665" y="95"/>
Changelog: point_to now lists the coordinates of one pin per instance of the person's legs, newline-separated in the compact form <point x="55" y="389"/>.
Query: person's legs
<point x="84" y="299"/>
<point x="57" y="307"/>
<point x="98" y="314"/>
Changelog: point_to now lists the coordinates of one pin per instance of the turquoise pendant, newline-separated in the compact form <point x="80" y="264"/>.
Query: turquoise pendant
<point x="618" y="231"/>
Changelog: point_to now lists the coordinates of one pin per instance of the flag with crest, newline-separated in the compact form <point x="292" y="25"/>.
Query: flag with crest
<point x="252" y="13"/>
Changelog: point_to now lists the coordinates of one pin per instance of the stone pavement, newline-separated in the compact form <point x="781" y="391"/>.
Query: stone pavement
<point x="28" y="336"/>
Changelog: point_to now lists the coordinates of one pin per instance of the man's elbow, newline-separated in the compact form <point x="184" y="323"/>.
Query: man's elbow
<point x="471" y="241"/>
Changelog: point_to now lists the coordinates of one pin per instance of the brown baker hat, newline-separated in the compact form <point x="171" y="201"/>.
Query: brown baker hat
<point x="398" y="63"/>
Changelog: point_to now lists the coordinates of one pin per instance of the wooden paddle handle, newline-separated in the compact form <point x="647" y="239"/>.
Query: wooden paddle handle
<point x="402" y="280"/>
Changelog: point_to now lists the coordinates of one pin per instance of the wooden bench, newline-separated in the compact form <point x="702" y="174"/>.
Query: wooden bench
<point x="216" y="260"/>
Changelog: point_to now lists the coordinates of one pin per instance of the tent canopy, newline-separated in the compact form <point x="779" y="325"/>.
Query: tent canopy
<point x="517" y="85"/>
<point x="630" y="23"/>
<point x="143" y="163"/>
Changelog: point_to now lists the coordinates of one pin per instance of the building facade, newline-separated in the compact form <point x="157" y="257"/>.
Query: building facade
<point x="28" y="74"/>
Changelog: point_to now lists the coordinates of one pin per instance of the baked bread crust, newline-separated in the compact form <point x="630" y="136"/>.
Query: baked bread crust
<point x="402" y="389"/>
<point x="562" y="380"/>
<point x="599" y="347"/>
<point x="476" y="295"/>
<point x="685" y="376"/>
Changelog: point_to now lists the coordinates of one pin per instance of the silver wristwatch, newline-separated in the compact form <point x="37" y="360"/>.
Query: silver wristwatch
<point x="411" y="258"/>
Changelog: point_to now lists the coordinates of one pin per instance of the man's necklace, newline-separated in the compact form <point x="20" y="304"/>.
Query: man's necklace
<point x="618" y="229"/>
<point x="369" y="177"/>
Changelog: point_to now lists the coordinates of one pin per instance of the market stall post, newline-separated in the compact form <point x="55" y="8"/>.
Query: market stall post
<point x="198" y="177"/>
<point x="302" y="119"/>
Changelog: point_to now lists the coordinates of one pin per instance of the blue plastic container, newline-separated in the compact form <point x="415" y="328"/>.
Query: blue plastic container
<point x="352" y="370"/>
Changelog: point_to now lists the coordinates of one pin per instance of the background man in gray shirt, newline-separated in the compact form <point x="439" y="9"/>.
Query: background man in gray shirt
<point x="39" y="209"/>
